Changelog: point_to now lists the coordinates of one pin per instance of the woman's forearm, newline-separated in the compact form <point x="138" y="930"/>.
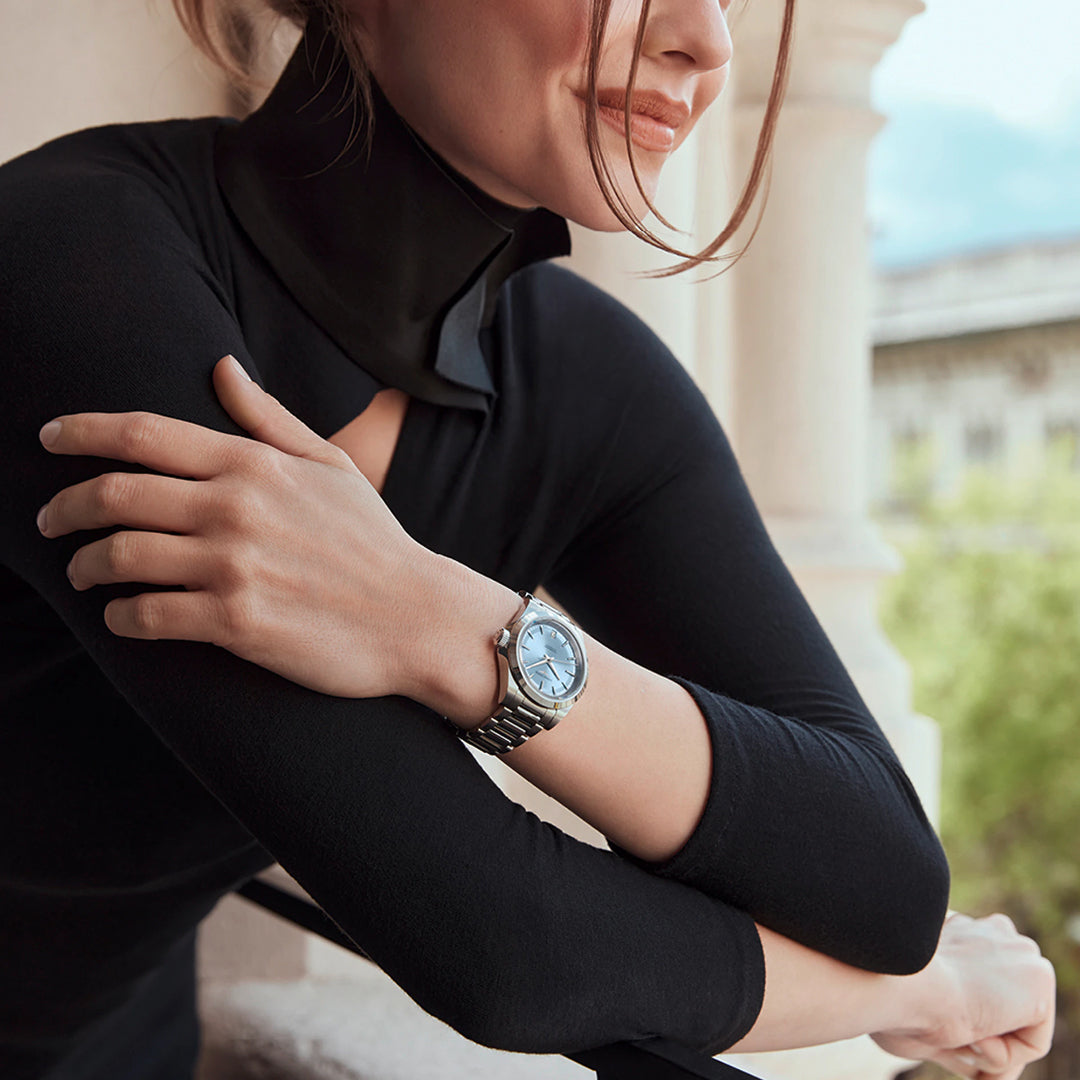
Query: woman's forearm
<point x="811" y="999"/>
<point x="633" y="758"/>
<point x="984" y="1005"/>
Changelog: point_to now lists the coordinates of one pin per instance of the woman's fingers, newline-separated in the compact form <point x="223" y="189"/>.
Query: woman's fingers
<point x="162" y="443"/>
<point x="154" y="558"/>
<point x="187" y="616"/>
<point x="960" y="1062"/>
<point x="169" y="445"/>
<point x="139" y="500"/>
<point x="963" y="1062"/>
<point x="1002" y="1057"/>
<point x="1039" y="1037"/>
<point x="991" y="1054"/>
<point x="267" y="419"/>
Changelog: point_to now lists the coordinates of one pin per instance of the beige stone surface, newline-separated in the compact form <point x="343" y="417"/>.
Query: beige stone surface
<point x="361" y="1028"/>
<point x="71" y="64"/>
<point x="852" y="1059"/>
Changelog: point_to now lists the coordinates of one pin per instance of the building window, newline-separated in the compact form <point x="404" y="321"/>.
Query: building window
<point x="983" y="444"/>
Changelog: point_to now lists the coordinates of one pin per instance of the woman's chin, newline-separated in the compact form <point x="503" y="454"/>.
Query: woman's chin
<point x="594" y="212"/>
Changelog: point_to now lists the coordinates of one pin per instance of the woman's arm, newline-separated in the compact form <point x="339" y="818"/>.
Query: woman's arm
<point x="712" y="661"/>
<point x="863" y="880"/>
<point x="501" y="925"/>
<point x="292" y="561"/>
<point x="984" y="1005"/>
<point x="633" y="758"/>
<point x="799" y="982"/>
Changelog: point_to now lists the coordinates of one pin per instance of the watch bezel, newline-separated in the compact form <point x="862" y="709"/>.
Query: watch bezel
<point x="513" y="656"/>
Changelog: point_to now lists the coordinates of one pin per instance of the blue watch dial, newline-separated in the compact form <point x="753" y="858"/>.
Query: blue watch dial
<point x="550" y="660"/>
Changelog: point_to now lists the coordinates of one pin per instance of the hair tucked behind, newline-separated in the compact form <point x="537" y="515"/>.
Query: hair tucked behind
<point x="223" y="30"/>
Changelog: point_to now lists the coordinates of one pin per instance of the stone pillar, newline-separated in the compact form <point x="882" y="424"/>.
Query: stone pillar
<point x="802" y="355"/>
<point x="881" y="452"/>
<point x="802" y="370"/>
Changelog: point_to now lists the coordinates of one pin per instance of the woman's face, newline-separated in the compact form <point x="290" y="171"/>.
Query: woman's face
<point x="496" y="87"/>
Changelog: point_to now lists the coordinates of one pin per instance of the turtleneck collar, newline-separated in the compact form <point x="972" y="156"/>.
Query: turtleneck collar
<point x="396" y="255"/>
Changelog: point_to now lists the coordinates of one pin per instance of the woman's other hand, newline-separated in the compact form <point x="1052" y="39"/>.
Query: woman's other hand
<point x="289" y="556"/>
<point x="995" y="1012"/>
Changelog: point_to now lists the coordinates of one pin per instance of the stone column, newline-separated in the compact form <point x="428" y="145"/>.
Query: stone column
<point x="802" y="370"/>
<point x="802" y="352"/>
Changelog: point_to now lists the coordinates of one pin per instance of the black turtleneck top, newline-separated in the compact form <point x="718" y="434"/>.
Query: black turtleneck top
<point x="550" y="439"/>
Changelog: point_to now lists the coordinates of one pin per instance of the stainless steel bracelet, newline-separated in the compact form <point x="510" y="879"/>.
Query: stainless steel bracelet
<point x="510" y="727"/>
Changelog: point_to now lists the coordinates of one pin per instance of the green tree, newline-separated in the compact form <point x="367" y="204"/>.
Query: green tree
<point x="987" y="613"/>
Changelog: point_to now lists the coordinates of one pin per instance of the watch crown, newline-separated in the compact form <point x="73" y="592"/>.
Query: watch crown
<point x="502" y="637"/>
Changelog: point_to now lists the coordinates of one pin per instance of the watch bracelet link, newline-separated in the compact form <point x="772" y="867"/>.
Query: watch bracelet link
<point x="510" y="727"/>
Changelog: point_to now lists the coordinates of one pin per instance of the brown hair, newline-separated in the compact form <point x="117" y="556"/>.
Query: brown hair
<point x="222" y="29"/>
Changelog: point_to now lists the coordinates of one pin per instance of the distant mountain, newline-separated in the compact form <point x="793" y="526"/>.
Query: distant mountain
<point x="946" y="179"/>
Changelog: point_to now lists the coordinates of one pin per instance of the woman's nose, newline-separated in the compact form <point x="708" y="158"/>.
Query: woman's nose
<point x="695" y="32"/>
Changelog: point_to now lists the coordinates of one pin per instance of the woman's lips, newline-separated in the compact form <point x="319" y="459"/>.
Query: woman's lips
<point x="654" y="118"/>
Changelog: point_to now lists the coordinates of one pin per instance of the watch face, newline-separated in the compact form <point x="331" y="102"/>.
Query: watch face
<point x="550" y="660"/>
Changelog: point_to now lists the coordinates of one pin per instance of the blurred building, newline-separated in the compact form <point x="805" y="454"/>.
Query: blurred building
<point x="976" y="362"/>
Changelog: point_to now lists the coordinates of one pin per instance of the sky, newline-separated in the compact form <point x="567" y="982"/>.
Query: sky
<point x="981" y="146"/>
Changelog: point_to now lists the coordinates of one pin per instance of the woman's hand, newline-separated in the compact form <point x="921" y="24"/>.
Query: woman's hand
<point x="996" y="1012"/>
<point x="289" y="556"/>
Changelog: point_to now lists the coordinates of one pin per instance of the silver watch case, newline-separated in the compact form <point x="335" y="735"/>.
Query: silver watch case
<point x="511" y="675"/>
<point x="524" y="710"/>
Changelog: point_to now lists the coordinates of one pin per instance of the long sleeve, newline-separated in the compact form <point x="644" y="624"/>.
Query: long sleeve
<point x="499" y="924"/>
<point x="811" y="824"/>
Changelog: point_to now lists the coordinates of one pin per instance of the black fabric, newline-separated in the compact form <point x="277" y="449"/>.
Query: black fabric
<point x="350" y="232"/>
<point x="153" y="1035"/>
<point x="143" y="780"/>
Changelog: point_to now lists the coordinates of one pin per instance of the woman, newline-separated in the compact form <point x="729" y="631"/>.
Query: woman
<point x="438" y="418"/>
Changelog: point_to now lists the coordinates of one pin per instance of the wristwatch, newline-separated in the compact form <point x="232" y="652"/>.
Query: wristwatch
<point x="542" y="672"/>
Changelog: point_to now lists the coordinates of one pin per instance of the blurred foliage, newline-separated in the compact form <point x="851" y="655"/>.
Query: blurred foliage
<point x="987" y="613"/>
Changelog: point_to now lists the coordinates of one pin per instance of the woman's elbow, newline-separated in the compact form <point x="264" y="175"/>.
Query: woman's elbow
<point x="909" y="897"/>
<point x="516" y="999"/>
<point x="502" y="1015"/>
<point x="912" y="912"/>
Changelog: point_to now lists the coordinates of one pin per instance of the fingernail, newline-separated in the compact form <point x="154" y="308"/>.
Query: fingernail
<point x="41" y="517"/>
<point x="966" y="1059"/>
<point x="976" y="1050"/>
<point x="67" y="570"/>
<point x="240" y="368"/>
<point x="49" y="433"/>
